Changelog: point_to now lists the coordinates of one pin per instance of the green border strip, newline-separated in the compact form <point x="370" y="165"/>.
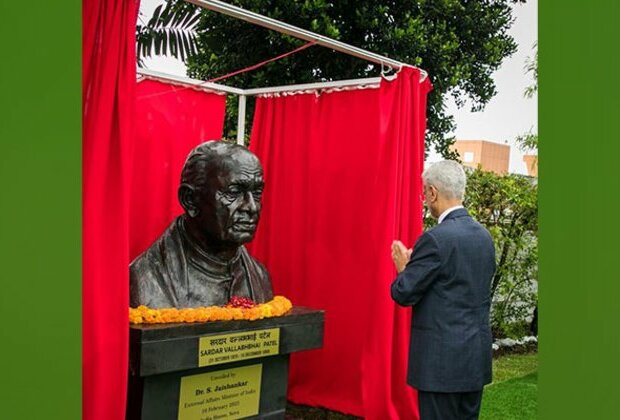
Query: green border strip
<point x="40" y="211"/>
<point x="579" y="235"/>
<point x="40" y="179"/>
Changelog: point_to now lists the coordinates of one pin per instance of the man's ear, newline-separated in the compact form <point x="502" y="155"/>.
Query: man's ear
<point x="434" y="193"/>
<point x="188" y="200"/>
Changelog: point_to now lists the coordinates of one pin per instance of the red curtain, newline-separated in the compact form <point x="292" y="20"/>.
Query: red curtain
<point x="108" y="81"/>
<point x="343" y="179"/>
<point x="170" y="121"/>
<point x="121" y="151"/>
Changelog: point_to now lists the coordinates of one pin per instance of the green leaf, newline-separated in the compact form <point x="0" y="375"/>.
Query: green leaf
<point x="157" y="42"/>
<point x="155" y="18"/>
<point x="194" y="19"/>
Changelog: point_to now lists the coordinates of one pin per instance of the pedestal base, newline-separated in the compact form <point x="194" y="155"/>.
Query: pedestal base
<point x="187" y="372"/>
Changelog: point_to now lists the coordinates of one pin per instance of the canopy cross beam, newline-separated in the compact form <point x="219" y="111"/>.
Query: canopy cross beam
<point x="285" y="28"/>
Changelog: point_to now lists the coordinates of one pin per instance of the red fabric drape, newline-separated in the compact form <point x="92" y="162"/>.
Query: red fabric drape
<point x="342" y="175"/>
<point x="398" y="215"/>
<point x="170" y="121"/>
<point x="131" y="167"/>
<point x="108" y="81"/>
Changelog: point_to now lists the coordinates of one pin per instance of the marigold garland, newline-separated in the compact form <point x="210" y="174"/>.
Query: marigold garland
<point x="144" y="315"/>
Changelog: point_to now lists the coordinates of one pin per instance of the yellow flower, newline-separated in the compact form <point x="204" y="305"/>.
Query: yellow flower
<point x="144" y="315"/>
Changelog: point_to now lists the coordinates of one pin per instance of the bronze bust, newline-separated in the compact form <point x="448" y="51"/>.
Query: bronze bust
<point x="200" y="259"/>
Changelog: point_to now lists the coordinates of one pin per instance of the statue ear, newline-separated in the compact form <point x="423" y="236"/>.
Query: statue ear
<point x="187" y="198"/>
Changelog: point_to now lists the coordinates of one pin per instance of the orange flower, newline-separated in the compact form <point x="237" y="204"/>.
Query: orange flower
<point x="144" y="315"/>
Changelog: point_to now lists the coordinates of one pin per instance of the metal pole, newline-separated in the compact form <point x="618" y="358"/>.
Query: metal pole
<point x="241" y="120"/>
<point x="367" y="82"/>
<point x="198" y="84"/>
<point x="276" y="25"/>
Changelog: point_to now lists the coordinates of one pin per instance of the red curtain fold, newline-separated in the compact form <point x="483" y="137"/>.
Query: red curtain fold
<point x="342" y="175"/>
<point x="399" y="215"/>
<point x="108" y="81"/>
<point x="129" y="180"/>
<point x="170" y="122"/>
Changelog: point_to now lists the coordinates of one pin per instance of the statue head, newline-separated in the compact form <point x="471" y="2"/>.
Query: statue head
<point x="221" y="189"/>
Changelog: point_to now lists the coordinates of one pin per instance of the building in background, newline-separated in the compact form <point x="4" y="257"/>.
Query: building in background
<point x="490" y="156"/>
<point x="531" y="162"/>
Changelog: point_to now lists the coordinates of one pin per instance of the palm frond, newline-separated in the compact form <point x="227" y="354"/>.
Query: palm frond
<point x="169" y="31"/>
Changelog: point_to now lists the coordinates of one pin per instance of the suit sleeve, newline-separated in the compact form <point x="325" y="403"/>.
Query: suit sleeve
<point x="419" y="273"/>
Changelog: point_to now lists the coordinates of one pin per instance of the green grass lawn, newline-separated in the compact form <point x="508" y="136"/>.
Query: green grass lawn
<point x="513" y="394"/>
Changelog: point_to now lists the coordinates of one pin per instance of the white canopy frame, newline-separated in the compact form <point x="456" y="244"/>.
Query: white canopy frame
<point x="285" y="28"/>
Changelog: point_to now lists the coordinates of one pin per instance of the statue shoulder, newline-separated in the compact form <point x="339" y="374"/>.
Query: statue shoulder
<point x="150" y="281"/>
<point x="252" y="260"/>
<point x="259" y="277"/>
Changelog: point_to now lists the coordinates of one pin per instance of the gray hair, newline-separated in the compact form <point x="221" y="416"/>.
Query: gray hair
<point x="448" y="177"/>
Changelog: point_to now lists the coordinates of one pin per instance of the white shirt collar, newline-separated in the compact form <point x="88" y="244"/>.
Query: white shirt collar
<point x="446" y="212"/>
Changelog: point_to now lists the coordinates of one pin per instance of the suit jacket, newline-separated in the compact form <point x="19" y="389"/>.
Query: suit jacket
<point x="447" y="281"/>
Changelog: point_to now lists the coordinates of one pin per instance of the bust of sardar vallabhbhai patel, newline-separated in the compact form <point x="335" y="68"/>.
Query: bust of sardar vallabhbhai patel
<point x="200" y="259"/>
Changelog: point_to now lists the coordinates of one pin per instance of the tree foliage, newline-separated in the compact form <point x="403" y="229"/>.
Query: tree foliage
<point x="531" y="67"/>
<point x="528" y="142"/>
<point x="459" y="42"/>
<point x="507" y="205"/>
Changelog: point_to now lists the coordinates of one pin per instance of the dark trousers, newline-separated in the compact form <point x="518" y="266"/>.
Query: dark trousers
<point x="449" y="405"/>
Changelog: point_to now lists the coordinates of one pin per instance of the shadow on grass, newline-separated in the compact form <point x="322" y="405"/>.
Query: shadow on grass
<point x="512" y="399"/>
<point x="304" y="412"/>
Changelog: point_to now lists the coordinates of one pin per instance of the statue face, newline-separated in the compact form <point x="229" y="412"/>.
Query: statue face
<point x="230" y="208"/>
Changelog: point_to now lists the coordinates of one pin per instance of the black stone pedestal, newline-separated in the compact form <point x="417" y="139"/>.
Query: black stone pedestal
<point x="219" y="366"/>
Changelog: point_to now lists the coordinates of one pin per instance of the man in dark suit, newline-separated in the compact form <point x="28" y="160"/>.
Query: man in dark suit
<point x="446" y="278"/>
